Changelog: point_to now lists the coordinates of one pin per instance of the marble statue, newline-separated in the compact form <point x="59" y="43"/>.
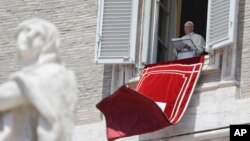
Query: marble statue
<point x="37" y="103"/>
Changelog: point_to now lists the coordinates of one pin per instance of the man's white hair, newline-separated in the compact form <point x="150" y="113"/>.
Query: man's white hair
<point x="190" y="23"/>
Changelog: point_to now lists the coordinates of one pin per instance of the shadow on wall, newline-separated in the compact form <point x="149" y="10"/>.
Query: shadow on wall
<point x="106" y="87"/>
<point x="240" y="35"/>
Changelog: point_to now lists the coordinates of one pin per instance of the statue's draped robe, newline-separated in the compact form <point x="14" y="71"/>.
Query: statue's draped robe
<point x="50" y="90"/>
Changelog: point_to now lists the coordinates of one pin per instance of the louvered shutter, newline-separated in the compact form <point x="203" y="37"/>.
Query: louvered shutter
<point x="116" y="31"/>
<point x="221" y="23"/>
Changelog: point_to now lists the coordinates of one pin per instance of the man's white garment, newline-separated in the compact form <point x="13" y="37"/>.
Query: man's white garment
<point x="198" y="41"/>
<point x="198" y="46"/>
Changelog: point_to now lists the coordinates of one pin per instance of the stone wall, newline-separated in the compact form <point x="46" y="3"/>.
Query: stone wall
<point x="76" y="20"/>
<point x="243" y="48"/>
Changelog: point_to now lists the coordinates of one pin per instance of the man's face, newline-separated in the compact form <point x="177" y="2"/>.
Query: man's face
<point x="188" y="28"/>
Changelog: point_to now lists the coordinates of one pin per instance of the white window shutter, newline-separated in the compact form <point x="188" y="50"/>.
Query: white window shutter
<point x="221" y="23"/>
<point x="116" y="31"/>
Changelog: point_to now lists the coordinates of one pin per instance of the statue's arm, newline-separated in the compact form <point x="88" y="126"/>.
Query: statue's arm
<point x="11" y="96"/>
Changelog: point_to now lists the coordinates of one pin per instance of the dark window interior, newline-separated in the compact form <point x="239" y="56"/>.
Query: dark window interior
<point x="195" y="11"/>
<point x="191" y="10"/>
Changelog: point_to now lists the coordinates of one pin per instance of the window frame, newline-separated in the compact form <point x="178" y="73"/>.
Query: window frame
<point x="212" y="61"/>
<point x="153" y="45"/>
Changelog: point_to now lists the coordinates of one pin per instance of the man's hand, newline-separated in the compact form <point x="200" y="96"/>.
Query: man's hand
<point x="196" y="54"/>
<point x="188" y="47"/>
<point x="178" y="50"/>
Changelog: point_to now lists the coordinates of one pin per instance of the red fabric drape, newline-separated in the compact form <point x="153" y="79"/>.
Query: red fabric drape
<point x="130" y="112"/>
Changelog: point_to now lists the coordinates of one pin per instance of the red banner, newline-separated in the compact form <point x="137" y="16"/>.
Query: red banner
<point x="160" y="99"/>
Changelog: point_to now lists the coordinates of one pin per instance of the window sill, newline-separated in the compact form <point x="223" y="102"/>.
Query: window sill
<point x="200" y="88"/>
<point x="132" y="83"/>
<point x="215" y="85"/>
<point x="211" y="64"/>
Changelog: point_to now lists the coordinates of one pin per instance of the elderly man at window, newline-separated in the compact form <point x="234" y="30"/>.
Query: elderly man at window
<point x="196" y="47"/>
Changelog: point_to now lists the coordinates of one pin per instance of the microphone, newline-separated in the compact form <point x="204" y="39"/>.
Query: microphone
<point x="192" y="41"/>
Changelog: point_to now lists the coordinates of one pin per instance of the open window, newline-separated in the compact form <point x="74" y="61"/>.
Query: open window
<point x="215" y="20"/>
<point x="159" y="21"/>
<point x="168" y="20"/>
<point x="116" y="37"/>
